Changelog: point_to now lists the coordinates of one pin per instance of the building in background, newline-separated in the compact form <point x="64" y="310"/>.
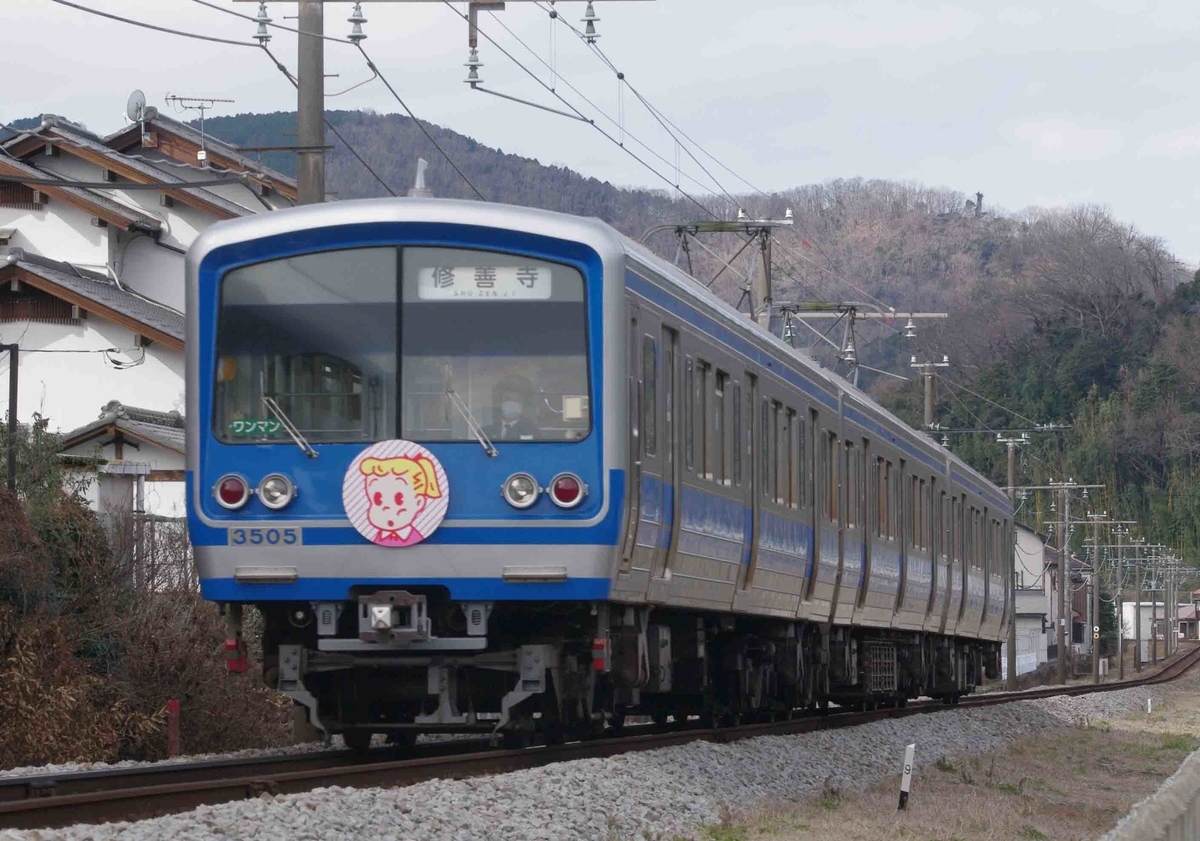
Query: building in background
<point x="92" y="281"/>
<point x="1033" y="601"/>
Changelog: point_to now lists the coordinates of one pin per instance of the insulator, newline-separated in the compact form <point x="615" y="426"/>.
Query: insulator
<point x="589" y="21"/>
<point x="910" y="330"/>
<point x="946" y="441"/>
<point x="473" y="64"/>
<point x="356" y="19"/>
<point x="262" y="35"/>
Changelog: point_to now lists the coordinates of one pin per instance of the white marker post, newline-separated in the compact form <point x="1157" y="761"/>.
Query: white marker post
<point x="906" y="780"/>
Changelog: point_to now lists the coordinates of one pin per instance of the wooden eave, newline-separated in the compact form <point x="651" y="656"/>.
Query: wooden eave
<point x="101" y="211"/>
<point x="71" y="297"/>
<point x="184" y="151"/>
<point x="136" y="175"/>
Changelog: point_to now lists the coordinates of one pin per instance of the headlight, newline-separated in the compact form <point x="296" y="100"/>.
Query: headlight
<point x="231" y="491"/>
<point x="276" y="491"/>
<point x="520" y="490"/>
<point x="567" y="490"/>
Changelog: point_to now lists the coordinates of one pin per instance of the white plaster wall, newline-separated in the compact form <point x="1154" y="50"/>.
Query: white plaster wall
<point x="165" y="499"/>
<point x="1029" y="557"/>
<point x="153" y="271"/>
<point x="71" y="388"/>
<point x="58" y="231"/>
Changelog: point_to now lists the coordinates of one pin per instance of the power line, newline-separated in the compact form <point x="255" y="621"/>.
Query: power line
<point x="287" y="73"/>
<point x="253" y="19"/>
<point x="592" y="104"/>
<point x="986" y="400"/>
<point x="424" y="130"/>
<point x="580" y="114"/>
<point x="144" y="25"/>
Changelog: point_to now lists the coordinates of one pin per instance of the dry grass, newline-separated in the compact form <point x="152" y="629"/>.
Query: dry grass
<point x="1075" y="785"/>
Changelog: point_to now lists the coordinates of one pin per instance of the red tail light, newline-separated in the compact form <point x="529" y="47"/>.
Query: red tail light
<point x="567" y="490"/>
<point x="231" y="491"/>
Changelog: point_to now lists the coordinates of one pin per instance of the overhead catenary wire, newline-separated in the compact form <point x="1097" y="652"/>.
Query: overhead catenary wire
<point x="329" y="125"/>
<point x="145" y="25"/>
<point x="586" y="119"/>
<point x="1012" y="412"/>
<point x="293" y="30"/>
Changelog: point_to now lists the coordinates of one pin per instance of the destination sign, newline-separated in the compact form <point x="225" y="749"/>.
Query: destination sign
<point x="483" y="283"/>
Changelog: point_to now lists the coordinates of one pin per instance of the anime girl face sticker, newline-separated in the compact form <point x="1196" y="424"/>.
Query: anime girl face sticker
<point x="395" y="493"/>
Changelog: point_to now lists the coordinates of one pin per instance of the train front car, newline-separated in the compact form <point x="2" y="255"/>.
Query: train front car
<point x="401" y="451"/>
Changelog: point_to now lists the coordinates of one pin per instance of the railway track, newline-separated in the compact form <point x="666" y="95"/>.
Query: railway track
<point x="126" y="794"/>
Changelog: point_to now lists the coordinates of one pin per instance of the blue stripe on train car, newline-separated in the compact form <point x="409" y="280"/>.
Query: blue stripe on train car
<point x="462" y="589"/>
<point x="784" y="544"/>
<point x="711" y="526"/>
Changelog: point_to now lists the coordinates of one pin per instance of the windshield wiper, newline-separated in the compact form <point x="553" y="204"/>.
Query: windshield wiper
<point x="472" y="424"/>
<point x="301" y="442"/>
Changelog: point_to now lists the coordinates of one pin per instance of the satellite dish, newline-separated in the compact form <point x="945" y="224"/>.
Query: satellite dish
<point x="136" y="106"/>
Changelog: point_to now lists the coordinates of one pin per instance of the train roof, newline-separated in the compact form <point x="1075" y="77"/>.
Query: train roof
<point x="608" y="240"/>
<point x="690" y="286"/>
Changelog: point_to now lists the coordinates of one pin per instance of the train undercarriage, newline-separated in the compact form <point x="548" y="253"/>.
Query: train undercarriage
<point x="402" y="663"/>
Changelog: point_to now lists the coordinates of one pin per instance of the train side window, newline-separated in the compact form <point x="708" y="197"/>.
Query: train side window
<point x="650" y="395"/>
<point x="851" y="487"/>
<point x="689" y="425"/>
<point x="831" y="477"/>
<point x="793" y="459"/>
<point x="783" y="452"/>
<point x="704" y="421"/>
<point x="737" y="434"/>
<point x="719" y="469"/>
<point x="765" y="445"/>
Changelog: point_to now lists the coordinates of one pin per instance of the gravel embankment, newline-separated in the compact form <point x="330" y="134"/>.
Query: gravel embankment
<point x="651" y="795"/>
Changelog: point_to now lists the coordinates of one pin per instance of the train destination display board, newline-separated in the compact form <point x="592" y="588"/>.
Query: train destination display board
<point x="484" y="283"/>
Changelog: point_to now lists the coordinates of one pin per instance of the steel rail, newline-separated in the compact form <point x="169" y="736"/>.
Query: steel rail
<point x="142" y="792"/>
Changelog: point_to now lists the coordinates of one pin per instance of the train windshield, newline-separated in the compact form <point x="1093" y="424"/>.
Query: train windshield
<point x="374" y="343"/>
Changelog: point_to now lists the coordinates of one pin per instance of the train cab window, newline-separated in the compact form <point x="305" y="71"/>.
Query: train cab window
<point x="323" y="348"/>
<point x="737" y="434"/>
<point x="506" y="335"/>
<point x="649" y="395"/>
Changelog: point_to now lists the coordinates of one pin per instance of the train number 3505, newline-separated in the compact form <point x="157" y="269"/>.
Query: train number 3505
<point x="264" y="537"/>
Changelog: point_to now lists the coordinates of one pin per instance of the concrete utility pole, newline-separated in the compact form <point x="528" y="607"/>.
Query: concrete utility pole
<point x="1096" y="598"/>
<point x="310" y="104"/>
<point x="927" y="371"/>
<point x="1064" y="587"/>
<point x="1139" y="571"/>
<point x="1120" y="530"/>
<point x="13" y="352"/>
<point x="1154" y="609"/>
<point x="1012" y="444"/>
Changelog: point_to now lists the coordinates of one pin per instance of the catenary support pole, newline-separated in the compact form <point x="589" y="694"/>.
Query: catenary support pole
<point x="1012" y="582"/>
<point x="1154" y="609"/>
<point x="1095" y="601"/>
<point x="310" y="110"/>
<point x="1120" y="606"/>
<point x="1064" y="589"/>
<point x="13" y="353"/>
<point x="1137" y="611"/>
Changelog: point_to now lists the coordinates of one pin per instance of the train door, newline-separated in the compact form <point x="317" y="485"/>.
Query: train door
<point x="754" y="477"/>
<point x="649" y="536"/>
<point x="661" y="368"/>
<point x="634" y="469"/>
<point x="903" y="534"/>
<point x="865" y="488"/>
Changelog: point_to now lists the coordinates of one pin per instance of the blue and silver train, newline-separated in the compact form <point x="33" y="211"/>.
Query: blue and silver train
<point x="487" y="468"/>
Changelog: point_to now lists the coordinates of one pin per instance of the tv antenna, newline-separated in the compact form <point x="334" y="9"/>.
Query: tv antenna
<point x="137" y="111"/>
<point x="201" y="104"/>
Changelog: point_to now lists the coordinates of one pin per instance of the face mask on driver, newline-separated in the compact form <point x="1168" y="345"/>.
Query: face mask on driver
<point x="510" y="410"/>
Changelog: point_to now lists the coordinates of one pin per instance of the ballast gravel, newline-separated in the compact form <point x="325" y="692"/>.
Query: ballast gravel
<point x="647" y="796"/>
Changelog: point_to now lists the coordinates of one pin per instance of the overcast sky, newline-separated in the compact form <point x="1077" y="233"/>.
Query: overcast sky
<point x="1032" y="103"/>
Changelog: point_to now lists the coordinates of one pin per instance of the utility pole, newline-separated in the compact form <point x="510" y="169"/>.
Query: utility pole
<point x="1012" y="444"/>
<point x="1154" y="609"/>
<point x="13" y="353"/>
<point x="310" y="103"/>
<point x="1120" y="530"/>
<point x="1064" y="589"/>
<point x="927" y="371"/>
<point x="1096" y="597"/>
<point x="1139" y="571"/>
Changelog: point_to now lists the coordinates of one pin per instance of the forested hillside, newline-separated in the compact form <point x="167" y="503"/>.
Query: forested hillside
<point x="1064" y="316"/>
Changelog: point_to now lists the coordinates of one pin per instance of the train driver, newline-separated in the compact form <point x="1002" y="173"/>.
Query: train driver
<point x="513" y="410"/>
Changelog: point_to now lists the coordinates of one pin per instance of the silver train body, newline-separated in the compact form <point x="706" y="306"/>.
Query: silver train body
<point x="759" y="537"/>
